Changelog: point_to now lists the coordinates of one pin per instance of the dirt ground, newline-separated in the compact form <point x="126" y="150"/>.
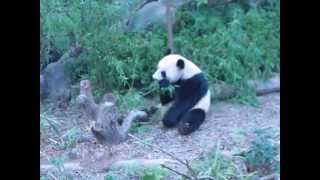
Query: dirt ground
<point x="221" y="124"/>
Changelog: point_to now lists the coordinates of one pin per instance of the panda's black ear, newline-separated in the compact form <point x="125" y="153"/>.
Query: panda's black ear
<point x="180" y="63"/>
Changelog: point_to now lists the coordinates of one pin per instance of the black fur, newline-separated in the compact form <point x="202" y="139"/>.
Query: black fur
<point x="180" y="63"/>
<point x="191" y="121"/>
<point x="163" y="74"/>
<point x="165" y="96"/>
<point x="187" y="95"/>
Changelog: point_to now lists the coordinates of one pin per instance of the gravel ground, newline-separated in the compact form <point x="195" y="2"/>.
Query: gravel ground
<point x="221" y="124"/>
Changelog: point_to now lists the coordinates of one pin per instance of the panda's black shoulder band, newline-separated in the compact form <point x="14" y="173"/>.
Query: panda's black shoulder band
<point x="195" y="87"/>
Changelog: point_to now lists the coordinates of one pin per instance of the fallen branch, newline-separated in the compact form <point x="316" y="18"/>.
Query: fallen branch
<point x="127" y="122"/>
<point x="265" y="87"/>
<point x="224" y="91"/>
<point x="76" y="166"/>
<point x="269" y="177"/>
<point x="141" y="162"/>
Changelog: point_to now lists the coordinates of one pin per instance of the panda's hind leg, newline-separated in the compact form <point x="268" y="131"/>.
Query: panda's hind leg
<point x="191" y="121"/>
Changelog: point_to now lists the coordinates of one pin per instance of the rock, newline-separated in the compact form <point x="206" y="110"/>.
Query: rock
<point x="55" y="83"/>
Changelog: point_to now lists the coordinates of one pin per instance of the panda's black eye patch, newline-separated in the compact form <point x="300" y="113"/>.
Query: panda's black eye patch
<point x="180" y="63"/>
<point x="163" y="74"/>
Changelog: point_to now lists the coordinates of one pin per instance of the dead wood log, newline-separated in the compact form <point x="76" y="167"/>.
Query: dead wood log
<point x="270" y="177"/>
<point x="224" y="91"/>
<point x="264" y="87"/>
<point x="106" y="129"/>
<point x="118" y="164"/>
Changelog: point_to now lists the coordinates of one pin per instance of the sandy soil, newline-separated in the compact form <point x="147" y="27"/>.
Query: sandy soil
<point x="221" y="125"/>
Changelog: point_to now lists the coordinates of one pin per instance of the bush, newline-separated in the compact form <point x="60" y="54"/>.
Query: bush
<point x="71" y="137"/>
<point x="221" y="166"/>
<point x="229" y="43"/>
<point x="153" y="173"/>
<point x="263" y="154"/>
<point x="246" y="46"/>
<point x="110" y="176"/>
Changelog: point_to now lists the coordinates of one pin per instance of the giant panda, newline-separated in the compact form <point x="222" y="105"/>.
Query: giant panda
<point x="189" y="104"/>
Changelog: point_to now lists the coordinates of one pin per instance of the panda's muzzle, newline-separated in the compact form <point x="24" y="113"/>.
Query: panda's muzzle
<point x="164" y="83"/>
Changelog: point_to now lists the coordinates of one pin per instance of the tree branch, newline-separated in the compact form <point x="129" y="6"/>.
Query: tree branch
<point x="157" y="148"/>
<point x="177" y="172"/>
<point x="185" y="163"/>
<point x="127" y="122"/>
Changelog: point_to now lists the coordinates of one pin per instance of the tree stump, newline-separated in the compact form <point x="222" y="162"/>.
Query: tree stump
<point x="106" y="128"/>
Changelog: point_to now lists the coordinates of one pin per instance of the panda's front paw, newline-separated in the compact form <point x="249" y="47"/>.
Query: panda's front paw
<point x="164" y="83"/>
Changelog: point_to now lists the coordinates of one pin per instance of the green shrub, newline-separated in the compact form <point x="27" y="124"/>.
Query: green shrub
<point x="216" y="165"/>
<point x="129" y="100"/>
<point x="228" y="42"/>
<point x="263" y="154"/>
<point x="231" y="45"/>
<point x="110" y="176"/>
<point x="153" y="173"/>
<point x="58" y="162"/>
<point x="147" y="173"/>
<point x="71" y="137"/>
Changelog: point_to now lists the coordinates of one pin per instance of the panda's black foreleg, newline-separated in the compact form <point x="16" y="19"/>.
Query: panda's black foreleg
<point x="165" y="95"/>
<point x="191" y="121"/>
<point x="174" y="114"/>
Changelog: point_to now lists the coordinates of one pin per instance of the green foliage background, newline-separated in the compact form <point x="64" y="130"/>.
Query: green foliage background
<point x="231" y="43"/>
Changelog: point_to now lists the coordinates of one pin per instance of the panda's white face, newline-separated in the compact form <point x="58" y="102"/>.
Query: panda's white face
<point x="174" y="67"/>
<point x="167" y="69"/>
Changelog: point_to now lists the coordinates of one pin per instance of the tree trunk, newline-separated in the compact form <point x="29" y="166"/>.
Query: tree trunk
<point x="169" y="29"/>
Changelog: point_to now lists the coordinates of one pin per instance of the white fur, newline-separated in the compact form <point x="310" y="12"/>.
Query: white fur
<point x="204" y="103"/>
<point x="173" y="73"/>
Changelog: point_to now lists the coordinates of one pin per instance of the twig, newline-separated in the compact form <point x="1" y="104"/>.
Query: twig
<point x="269" y="177"/>
<point x="186" y="163"/>
<point x="177" y="172"/>
<point x="54" y="177"/>
<point x="55" y="129"/>
<point x="205" y="177"/>
<point x="156" y="147"/>
<point x="194" y="174"/>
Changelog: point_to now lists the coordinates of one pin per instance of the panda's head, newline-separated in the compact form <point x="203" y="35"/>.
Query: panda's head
<point x="174" y="67"/>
